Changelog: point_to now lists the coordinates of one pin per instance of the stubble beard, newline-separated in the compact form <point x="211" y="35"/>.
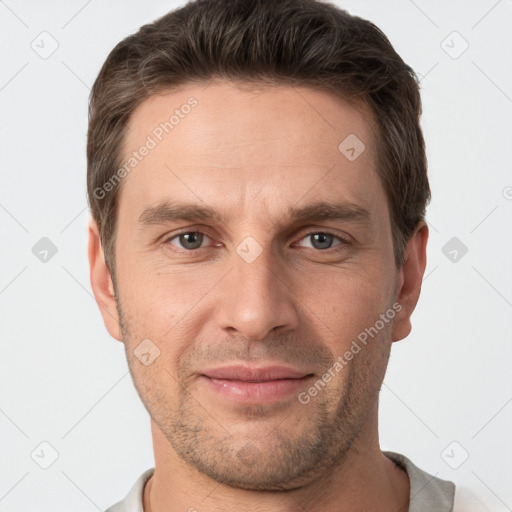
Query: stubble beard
<point x="273" y="461"/>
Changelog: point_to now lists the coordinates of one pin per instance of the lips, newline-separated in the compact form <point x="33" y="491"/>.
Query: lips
<point x="243" y="384"/>
<point x="248" y="374"/>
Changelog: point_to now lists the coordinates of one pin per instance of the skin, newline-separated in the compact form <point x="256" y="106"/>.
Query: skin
<point x="251" y="153"/>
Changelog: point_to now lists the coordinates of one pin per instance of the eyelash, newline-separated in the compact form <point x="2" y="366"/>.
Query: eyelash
<point x="343" y="241"/>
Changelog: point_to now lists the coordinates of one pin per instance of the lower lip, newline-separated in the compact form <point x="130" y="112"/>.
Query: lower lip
<point x="256" y="392"/>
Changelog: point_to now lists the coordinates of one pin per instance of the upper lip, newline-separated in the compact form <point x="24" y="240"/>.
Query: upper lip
<point x="256" y="374"/>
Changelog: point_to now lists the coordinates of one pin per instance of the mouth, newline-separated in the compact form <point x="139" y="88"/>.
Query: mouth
<point x="244" y="384"/>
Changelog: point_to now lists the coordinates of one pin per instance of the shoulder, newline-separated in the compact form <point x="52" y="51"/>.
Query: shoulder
<point x="133" y="502"/>
<point x="467" y="501"/>
<point x="427" y="492"/>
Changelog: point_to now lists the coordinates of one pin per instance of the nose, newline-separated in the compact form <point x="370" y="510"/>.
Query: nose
<point x="257" y="297"/>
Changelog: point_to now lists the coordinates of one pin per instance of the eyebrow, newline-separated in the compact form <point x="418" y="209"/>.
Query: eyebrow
<point x="173" y="211"/>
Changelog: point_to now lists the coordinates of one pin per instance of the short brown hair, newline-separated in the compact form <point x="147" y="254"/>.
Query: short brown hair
<point x="290" y="42"/>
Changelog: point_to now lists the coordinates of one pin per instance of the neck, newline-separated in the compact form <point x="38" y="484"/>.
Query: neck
<point x="365" y="480"/>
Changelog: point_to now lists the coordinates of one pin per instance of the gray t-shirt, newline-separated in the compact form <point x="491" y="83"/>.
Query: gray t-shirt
<point x="427" y="494"/>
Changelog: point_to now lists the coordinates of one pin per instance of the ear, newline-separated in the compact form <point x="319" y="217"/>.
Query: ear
<point x="101" y="282"/>
<point x="409" y="280"/>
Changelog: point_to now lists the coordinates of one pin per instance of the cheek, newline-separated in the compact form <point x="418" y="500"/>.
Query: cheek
<point x="166" y="308"/>
<point x="152" y="291"/>
<point x="346" y="307"/>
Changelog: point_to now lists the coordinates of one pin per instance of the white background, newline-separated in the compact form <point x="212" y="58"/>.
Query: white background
<point x="63" y="380"/>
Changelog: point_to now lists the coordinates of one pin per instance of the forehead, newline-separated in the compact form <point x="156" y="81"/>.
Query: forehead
<point x="235" y="147"/>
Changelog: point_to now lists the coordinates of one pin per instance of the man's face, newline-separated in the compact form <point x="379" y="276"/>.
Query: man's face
<point x="256" y="287"/>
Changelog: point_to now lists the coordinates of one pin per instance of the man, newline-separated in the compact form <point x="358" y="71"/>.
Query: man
<point x="258" y="184"/>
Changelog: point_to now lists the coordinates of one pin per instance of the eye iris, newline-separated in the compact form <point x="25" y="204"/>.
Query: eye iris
<point x="193" y="239"/>
<point x="322" y="240"/>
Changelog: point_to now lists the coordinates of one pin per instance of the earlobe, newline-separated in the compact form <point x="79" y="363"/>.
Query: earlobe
<point x="410" y="279"/>
<point x="101" y="283"/>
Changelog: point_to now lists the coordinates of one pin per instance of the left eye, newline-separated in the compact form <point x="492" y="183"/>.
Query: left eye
<point x="321" y="240"/>
<point x="191" y="240"/>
